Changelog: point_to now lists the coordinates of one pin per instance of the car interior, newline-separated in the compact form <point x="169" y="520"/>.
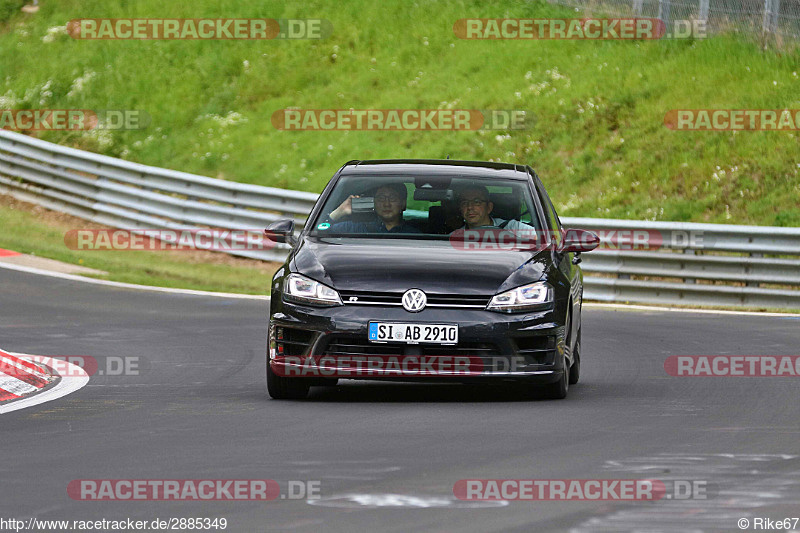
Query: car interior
<point x="432" y="207"/>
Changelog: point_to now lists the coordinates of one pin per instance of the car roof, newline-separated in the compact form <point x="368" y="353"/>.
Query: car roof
<point x="449" y="167"/>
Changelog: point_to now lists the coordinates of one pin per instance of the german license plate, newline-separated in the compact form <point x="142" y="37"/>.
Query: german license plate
<point x="413" y="333"/>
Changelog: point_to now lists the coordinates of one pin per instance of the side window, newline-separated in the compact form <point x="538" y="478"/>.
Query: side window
<point x="550" y="212"/>
<point x="511" y="202"/>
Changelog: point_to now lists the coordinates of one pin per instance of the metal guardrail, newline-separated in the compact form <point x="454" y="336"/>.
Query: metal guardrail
<point x="683" y="263"/>
<point x="122" y="194"/>
<point x="693" y="264"/>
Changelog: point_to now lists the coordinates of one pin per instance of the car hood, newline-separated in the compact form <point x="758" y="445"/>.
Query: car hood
<point x="395" y="265"/>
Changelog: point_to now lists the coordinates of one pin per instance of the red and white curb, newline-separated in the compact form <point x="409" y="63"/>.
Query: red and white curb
<point x="28" y="380"/>
<point x="8" y="253"/>
<point x="19" y="377"/>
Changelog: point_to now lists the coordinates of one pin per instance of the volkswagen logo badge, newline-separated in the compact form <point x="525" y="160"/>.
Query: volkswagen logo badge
<point x="414" y="300"/>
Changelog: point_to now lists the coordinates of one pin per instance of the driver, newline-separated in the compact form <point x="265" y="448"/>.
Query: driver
<point x="390" y="202"/>
<point x="476" y="208"/>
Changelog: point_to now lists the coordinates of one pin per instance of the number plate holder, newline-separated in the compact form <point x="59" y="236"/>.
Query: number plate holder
<point x="410" y="333"/>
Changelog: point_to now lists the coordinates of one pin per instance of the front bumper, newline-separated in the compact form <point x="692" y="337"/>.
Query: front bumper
<point x="332" y="342"/>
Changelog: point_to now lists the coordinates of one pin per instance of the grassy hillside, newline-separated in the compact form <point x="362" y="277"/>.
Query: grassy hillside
<point x="599" y="141"/>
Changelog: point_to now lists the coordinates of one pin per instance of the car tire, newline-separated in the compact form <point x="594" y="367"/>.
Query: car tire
<point x="559" y="389"/>
<point x="281" y="388"/>
<point x="575" y="369"/>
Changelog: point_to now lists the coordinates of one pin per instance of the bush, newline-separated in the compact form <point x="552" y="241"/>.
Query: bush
<point x="9" y="7"/>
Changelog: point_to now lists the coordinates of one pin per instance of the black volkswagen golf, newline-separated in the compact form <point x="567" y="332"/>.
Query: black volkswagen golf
<point x="432" y="270"/>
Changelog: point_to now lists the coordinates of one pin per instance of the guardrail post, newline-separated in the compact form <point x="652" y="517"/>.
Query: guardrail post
<point x="663" y="13"/>
<point x="690" y="252"/>
<point x="770" y="21"/>
<point x="754" y="283"/>
<point x="703" y="10"/>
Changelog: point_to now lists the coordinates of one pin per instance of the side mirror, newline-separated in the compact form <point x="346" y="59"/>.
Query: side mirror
<point x="281" y="231"/>
<point x="579" y="240"/>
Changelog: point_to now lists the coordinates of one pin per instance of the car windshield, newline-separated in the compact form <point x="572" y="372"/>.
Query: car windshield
<point x="419" y="207"/>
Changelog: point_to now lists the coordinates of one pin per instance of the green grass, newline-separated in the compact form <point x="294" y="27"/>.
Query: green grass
<point x="25" y="232"/>
<point x="598" y="141"/>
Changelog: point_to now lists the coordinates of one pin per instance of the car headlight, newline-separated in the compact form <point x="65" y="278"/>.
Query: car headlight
<point x="525" y="298"/>
<point x="301" y="289"/>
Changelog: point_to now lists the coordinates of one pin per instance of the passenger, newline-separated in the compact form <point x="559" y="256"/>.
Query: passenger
<point x="390" y="202"/>
<point x="476" y="208"/>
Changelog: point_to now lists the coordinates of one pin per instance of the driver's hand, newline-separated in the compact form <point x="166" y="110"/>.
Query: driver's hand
<point x="345" y="209"/>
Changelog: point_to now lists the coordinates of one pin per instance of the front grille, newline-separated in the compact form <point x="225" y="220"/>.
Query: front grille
<point x="453" y="300"/>
<point x="351" y="346"/>
<point x="395" y="299"/>
<point x="359" y="346"/>
<point x="369" y="297"/>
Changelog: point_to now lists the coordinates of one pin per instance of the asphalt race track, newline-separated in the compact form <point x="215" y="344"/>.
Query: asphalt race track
<point x="386" y="456"/>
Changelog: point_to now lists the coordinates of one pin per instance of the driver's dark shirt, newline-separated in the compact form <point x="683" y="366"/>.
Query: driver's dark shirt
<point x="377" y="226"/>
